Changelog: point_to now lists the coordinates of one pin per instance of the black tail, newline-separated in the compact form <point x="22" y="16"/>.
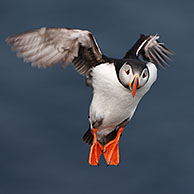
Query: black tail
<point x="109" y="137"/>
<point x="88" y="137"/>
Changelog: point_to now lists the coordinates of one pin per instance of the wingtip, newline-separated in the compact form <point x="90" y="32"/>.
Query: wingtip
<point x="157" y="52"/>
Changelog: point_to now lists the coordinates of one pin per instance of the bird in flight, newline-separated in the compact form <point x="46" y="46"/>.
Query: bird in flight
<point x="117" y="84"/>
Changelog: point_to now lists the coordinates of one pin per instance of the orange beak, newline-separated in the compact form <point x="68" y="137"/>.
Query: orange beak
<point x="134" y="86"/>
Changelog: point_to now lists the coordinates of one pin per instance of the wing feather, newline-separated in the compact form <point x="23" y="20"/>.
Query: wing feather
<point x="155" y="52"/>
<point x="150" y="49"/>
<point x="46" y="47"/>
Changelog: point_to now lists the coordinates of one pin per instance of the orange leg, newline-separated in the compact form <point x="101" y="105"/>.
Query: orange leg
<point x="111" y="150"/>
<point x="95" y="150"/>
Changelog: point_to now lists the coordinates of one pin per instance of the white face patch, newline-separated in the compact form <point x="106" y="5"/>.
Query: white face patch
<point x="143" y="78"/>
<point x="126" y="74"/>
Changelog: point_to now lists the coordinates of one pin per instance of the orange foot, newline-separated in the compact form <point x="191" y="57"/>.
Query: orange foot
<point x="95" y="150"/>
<point x="111" y="150"/>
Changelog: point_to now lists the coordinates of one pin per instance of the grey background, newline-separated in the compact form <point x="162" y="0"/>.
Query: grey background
<point x="43" y="113"/>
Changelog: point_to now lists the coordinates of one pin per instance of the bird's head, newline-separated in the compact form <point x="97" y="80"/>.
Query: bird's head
<point x="133" y="74"/>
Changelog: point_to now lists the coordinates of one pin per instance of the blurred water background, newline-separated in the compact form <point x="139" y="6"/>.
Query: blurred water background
<point x="43" y="113"/>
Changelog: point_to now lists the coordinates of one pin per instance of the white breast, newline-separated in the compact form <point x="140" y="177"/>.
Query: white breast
<point x="111" y="101"/>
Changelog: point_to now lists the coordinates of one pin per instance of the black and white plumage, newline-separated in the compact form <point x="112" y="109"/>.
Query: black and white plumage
<point x="117" y="84"/>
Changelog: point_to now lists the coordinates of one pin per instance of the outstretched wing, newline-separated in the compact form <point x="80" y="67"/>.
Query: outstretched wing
<point x="46" y="47"/>
<point x="150" y="49"/>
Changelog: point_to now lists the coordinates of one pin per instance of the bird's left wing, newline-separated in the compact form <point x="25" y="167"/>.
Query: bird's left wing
<point x="47" y="46"/>
<point x="150" y="49"/>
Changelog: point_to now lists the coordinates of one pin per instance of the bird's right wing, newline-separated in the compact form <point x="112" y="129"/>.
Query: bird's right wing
<point x="47" y="46"/>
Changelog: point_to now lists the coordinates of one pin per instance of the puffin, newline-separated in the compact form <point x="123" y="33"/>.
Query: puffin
<point x="117" y="84"/>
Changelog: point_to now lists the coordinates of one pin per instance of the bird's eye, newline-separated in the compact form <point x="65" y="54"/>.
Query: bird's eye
<point x="144" y="74"/>
<point x="127" y="72"/>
